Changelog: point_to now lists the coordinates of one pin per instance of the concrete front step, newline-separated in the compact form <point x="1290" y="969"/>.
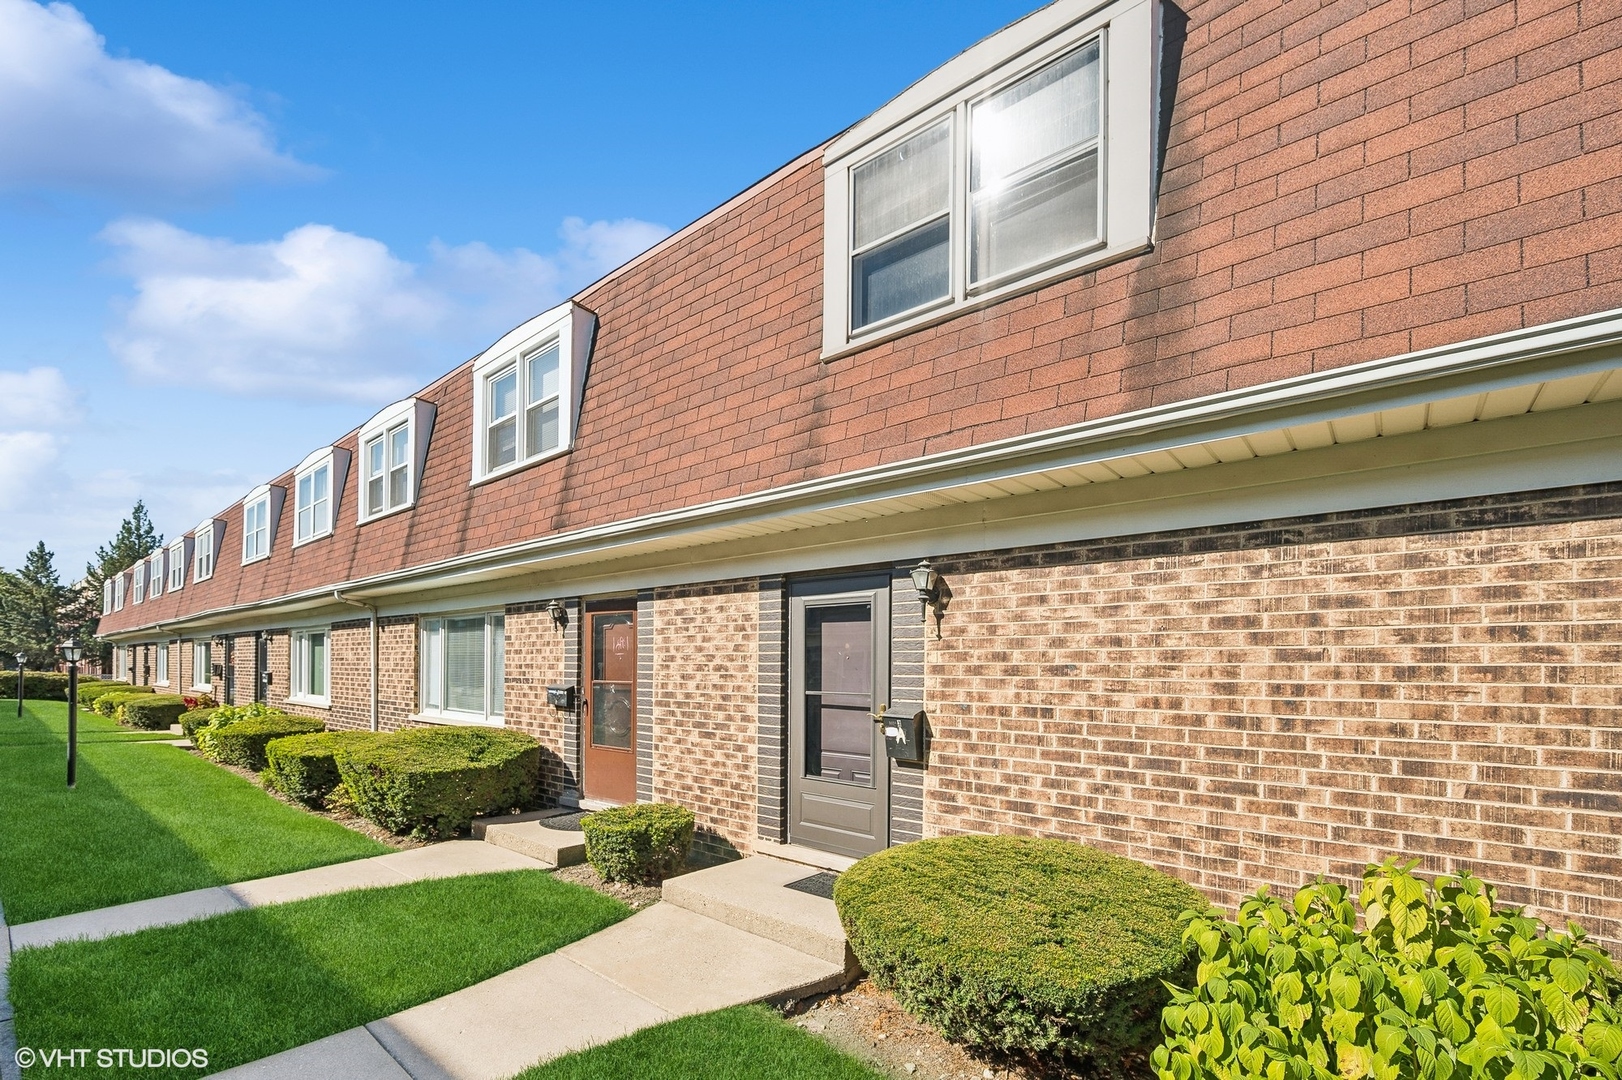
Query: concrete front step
<point x="752" y="895"/>
<point x="525" y="834"/>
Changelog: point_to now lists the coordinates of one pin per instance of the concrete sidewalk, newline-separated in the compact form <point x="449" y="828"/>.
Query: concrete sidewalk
<point x="452" y="858"/>
<point x="661" y="963"/>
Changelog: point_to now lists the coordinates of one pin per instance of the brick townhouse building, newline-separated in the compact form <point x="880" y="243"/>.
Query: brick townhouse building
<point x="1204" y="423"/>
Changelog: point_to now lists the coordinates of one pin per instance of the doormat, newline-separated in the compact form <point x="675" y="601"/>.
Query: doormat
<point x="817" y="885"/>
<point x="564" y="822"/>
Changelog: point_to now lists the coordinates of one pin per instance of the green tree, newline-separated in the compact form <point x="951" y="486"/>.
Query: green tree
<point x="31" y="603"/>
<point x="135" y="540"/>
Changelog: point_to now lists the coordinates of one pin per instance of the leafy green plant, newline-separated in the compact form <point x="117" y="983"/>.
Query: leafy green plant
<point x="643" y="843"/>
<point x="192" y="720"/>
<point x="242" y="742"/>
<point x="1039" y="947"/>
<point x="1441" y="982"/>
<point x="433" y="782"/>
<point x="107" y="703"/>
<point x="304" y="767"/>
<point x="151" y="712"/>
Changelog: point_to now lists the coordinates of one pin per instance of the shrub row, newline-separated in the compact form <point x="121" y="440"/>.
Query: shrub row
<point x="151" y="712"/>
<point x="433" y="782"/>
<point x="107" y="704"/>
<point x="238" y="735"/>
<point x="37" y="685"/>
<point x="304" y="767"/>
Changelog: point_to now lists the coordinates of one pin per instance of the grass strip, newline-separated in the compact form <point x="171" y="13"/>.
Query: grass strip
<point x="144" y="821"/>
<point x="749" y="1042"/>
<point x="252" y="983"/>
<point x="45" y="723"/>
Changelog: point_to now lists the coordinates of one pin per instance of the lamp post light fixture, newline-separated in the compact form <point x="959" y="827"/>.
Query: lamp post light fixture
<point x="72" y="651"/>
<point x="22" y="658"/>
<point x="927" y="581"/>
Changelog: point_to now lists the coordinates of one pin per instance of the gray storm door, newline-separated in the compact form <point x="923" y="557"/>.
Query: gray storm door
<point x="839" y="675"/>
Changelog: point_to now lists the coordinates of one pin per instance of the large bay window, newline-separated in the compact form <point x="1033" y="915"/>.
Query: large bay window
<point x="393" y="446"/>
<point x="464" y="667"/>
<point x="309" y="677"/>
<point x="526" y="389"/>
<point x="1023" y="160"/>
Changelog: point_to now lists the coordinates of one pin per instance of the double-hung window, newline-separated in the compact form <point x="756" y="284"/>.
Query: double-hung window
<point x="464" y="667"/>
<point x="154" y="568"/>
<point x="393" y="446"/>
<point x="107" y="597"/>
<point x="203" y="552"/>
<point x="118" y="592"/>
<point x="177" y="564"/>
<point x="313" y="504"/>
<point x="202" y="665"/>
<point x="525" y="391"/>
<point x="256" y="527"/>
<point x="138" y="583"/>
<point x="1023" y="160"/>
<point x="162" y="675"/>
<point x="309" y="676"/>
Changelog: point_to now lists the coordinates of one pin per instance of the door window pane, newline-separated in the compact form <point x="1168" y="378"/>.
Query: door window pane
<point x="1033" y="175"/>
<point x="839" y="727"/>
<point x="613" y="679"/>
<point x="464" y="664"/>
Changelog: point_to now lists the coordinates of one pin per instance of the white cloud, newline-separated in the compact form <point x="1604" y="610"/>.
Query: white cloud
<point x="36" y="397"/>
<point x="28" y="463"/>
<point x="31" y="402"/>
<point x="71" y="116"/>
<point x="322" y="313"/>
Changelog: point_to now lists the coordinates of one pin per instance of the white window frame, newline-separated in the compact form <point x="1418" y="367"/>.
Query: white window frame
<point x="118" y="591"/>
<point x="1128" y="32"/>
<point x="271" y="498"/>
<point x="205" y="549"/>
<point x="440" y="712"/>
<point x="138" y="582"/>
<point x="107" y="597"/>
<point x="160" y="666"/>
<point x="157" y="572"/>
<point x="416" y="417"/>
<point x="335" y="461"/>
<point x="299" y="691"/>
<point x="202" y="674"/>
<point x="178" y="561"/>
<point x="572" y="327"/>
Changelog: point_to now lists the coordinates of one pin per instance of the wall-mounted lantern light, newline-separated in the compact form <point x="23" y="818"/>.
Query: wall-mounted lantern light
<point x="927" y="582"/>
<point x="560" y="617"/>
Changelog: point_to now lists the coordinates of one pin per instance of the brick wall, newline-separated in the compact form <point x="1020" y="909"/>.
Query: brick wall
<point x="705" y="702"/>
<point x="397" y="671"/>
<point x="1267" y="705"/>
<point x="535" y="658"/>
<point x="350" y="680"/>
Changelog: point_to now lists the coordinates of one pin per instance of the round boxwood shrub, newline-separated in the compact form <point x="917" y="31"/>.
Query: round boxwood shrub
<point x="1029" y="946"/>
<point x="304" y="767"/>
<point x="432" y="782"/>
<point x="91" y="689"/>
<point x="193" y="719"/>
<point x="643" y="843"/>
<point x="242" y="743"/>
<point x="152" y="712"/>
<point x="107" y="704"/>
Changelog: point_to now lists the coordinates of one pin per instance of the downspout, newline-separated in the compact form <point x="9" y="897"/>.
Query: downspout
<point x="337" y="594"/>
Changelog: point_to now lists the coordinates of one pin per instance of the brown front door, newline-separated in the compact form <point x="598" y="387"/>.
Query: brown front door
<point x="610" y="706"/>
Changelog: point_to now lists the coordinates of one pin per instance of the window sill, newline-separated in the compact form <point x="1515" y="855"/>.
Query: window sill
<point x="1093" y="259"/>
<point x="311" y="539"/>
<point x="312" y="702"/>
<point x="256" y="558"/>
<point x="390" y="512"/>
<point x="206" y="688"/>
<point x="446" y="720"/>
<point x="519" y="466"/>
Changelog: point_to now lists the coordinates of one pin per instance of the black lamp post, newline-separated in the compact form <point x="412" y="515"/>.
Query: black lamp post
<point x="71" y="652"/>
<point x="22" y="658"/>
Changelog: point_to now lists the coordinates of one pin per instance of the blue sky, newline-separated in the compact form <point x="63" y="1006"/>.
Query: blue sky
<point x="230" y="232"/>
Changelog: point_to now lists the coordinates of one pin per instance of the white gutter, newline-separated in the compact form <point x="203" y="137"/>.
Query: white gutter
<point x="1549" y="351"/>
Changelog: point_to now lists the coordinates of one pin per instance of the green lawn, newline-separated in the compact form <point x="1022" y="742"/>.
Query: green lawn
<point x="746" y="1043"/>
<point x="145" y="820"/>
<point x="253" y="983"/>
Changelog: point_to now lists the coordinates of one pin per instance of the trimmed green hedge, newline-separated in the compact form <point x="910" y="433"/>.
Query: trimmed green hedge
<point x="243" y="742"/>
<point x="642" y="843"/>
<point x="152" y="712"/>
<point x="91" y="689"/>
<point x="194" y="719"/>
<point x="1022" y="945"/>
<point x="435" y="781"/>
<point x="107" y="704"/>
<point x="37" y="685"/>
<point x="303" y="767"/>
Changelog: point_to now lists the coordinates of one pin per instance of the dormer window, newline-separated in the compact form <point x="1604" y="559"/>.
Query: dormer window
<point x="155" y="573"/>
<point x="177" y="564"/>
<point x="107" y="597"/>
<point x="1025" y="159"/>
<point x="393" y="446"/>
<point x="118" y="592"/>
<point x="138" y="583"/>
<point x="261" y="511"/>
<point x="526" y="391"/>
<point x="205" y="542"/>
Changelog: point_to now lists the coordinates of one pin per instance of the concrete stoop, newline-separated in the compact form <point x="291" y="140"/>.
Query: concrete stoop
<point x="752" y="894"/>
<point x="525" y="834"/>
